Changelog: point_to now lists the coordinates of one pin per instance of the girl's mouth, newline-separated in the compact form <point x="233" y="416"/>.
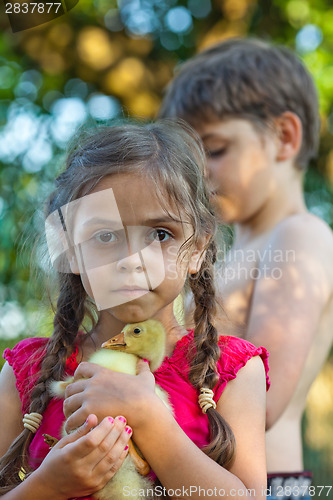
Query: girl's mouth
<point x="131" y="291"/>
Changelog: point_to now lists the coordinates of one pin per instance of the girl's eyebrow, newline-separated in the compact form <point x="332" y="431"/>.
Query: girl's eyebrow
<point x="148" y="222"/>
<point x="159" y="220"/>
<point x="97" y="220"/>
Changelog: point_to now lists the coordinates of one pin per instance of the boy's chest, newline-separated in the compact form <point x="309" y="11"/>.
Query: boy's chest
<point x="235" y="280"/>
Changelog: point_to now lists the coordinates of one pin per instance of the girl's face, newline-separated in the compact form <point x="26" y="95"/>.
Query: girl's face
<point x="127" y="248"/>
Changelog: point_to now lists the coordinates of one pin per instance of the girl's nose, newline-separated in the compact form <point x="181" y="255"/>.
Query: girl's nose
<point x="132" y="263"/>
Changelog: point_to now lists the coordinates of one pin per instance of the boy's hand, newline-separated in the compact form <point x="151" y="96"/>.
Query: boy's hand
<point x="84" y="461"/>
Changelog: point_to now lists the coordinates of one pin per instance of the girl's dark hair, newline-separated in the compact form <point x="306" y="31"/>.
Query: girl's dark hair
<point x="170" y="154"/>
<point x="203" y="367"/>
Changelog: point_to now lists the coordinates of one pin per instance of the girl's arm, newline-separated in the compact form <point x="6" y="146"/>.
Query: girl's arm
<point x="176" y="460"/>
<point x="11" y="415"/>
<point x="179" y="464"/>
<point x="79" y="465"/>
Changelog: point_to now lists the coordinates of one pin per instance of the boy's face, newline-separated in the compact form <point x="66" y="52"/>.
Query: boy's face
<point x="241" y="173"/>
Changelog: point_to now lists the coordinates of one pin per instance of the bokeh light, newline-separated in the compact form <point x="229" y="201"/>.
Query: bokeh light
<point x="308" y="38"/>
<point x="179" y="20"/>
<point x="68" y="114"/>
<point x="102" y="107"/>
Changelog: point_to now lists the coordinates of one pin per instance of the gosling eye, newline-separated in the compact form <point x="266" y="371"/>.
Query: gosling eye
<point x="137" y="331"/>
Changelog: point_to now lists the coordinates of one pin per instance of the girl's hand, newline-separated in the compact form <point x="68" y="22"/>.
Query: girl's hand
<point x="105" y="392"/>
<point x="83" y="462"/>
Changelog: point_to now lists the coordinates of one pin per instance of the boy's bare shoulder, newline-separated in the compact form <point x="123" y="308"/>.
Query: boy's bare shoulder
<point x="303" y="231"/>
<point x="308" y="236"/>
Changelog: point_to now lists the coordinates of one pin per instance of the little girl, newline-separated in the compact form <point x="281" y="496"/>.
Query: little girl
<point x="127" y="225"/>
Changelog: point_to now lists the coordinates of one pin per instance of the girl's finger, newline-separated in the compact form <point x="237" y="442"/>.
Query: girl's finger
<point x="142" y="366"/>
<point x="90" y="444"/>
<point x="116" y="466"/>
<point x="85" y="370"/>
<point x="76" y="419"/>
<point x="116" y="444"/>
<point x="113" y="443"/>
<point x="143" y="371"/>
<point x="108" y="472"/>
<point x="75" y="388"/>
<point x="72" y="404"/>
<point x="89" y="424"/>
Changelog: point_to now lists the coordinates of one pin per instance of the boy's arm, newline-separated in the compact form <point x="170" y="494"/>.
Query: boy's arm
<point x="287" y="303"/>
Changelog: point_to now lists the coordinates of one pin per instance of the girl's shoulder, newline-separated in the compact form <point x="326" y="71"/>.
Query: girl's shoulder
<point x="26" y="353"/>
<point x="235" y="353"/>
<point x="25" y="358"/>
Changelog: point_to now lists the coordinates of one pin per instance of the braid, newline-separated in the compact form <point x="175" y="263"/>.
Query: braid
<point x="207" y="352"/>
<point x="71" y="310"/>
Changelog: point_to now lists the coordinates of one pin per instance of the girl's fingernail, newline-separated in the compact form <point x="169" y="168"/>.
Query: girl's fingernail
<point x="128" y="430"/>
<point x="122" y="419"/>
<point x="146" y="361"/>
<point x="111" y="420"/>
<point x="86" y="422"/>
<point x="126" y="448"/>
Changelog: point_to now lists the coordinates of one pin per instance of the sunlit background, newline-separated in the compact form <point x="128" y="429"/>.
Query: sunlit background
<point x="106" y="59"/>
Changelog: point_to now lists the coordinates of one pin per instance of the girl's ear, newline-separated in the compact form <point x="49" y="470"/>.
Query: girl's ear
<point x="289" y="132"/>
<point x="198" y="255"/>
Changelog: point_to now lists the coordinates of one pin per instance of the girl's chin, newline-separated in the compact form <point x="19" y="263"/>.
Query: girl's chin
<point x="129" y="314"/>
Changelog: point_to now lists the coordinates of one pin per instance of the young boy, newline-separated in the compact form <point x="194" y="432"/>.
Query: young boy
<point x="255" y="108"/>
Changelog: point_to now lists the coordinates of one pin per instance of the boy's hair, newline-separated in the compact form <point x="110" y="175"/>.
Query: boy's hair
<point x="171" y="155"/>
<point x="249" y="79"/>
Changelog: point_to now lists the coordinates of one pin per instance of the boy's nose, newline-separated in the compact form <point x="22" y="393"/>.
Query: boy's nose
<point x="210" y="168"/>
<point x="206" y="170"/>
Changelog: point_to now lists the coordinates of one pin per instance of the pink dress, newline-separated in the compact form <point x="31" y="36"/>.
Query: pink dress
<point x="25" y="359"/>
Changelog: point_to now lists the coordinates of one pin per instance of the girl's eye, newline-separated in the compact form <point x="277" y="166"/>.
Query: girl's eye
<point x="106" y="237"/>
<point x="159" y="235"/>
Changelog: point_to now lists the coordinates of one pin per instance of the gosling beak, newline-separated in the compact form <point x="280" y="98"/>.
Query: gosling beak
<point x="116" y="343"/>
